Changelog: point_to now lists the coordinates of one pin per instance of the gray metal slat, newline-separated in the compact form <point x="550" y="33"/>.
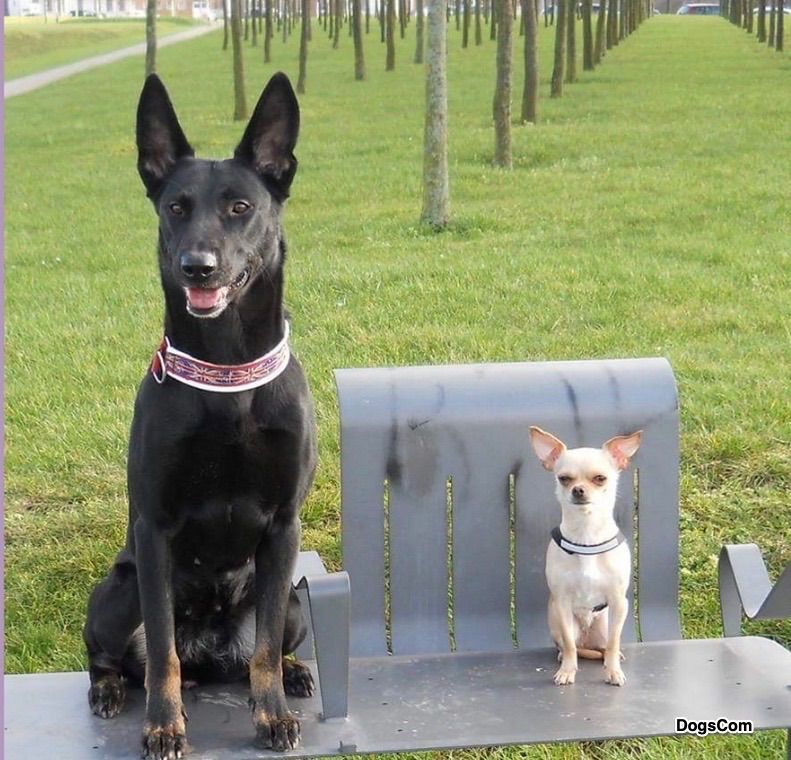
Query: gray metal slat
<point x="481" y="587"/>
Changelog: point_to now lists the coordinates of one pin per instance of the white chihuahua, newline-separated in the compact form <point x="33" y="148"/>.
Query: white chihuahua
<point x="588" y="564"/>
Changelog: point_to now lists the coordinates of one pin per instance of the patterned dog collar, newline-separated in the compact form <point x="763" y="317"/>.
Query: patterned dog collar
<point x="571" y="548"/>
<point x="219" y="378"/>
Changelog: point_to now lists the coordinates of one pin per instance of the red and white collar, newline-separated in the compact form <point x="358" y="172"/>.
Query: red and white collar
<point x="220" y="378"/>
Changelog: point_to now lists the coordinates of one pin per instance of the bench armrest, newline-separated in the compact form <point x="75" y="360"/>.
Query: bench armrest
<point x="329" y="600"/>
<point x="745" y="587"/>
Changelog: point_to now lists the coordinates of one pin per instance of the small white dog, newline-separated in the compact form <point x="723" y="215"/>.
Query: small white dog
<point x="588" y="565"/>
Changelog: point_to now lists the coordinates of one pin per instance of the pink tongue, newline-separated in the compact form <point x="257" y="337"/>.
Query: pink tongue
<point x="204" y="298"/>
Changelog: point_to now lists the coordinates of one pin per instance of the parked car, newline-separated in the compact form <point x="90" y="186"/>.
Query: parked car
<point x="699" y="9"/>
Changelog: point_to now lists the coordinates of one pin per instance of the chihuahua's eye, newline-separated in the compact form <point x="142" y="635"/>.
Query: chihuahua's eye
<point x="599" y="480"/>
<point x="564" y="480"/>
<point x="176" y="209"/>
<point x="240" y="207"/>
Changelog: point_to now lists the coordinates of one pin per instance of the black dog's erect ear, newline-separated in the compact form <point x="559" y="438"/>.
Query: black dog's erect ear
<point x="160" y="141"/>
<point x="269" y="140"/>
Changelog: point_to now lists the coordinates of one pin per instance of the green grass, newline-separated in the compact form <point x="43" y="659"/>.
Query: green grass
<point x="646" y="215"/>
<point x="31" y="44"/>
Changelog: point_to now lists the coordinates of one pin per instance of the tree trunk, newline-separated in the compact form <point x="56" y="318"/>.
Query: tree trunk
<point x="240" y="104"/>
<point x="493" y="22"/>
<point x="337" y="29"/>
<point x="367" y="16"/>
<point x="151" y="36"/>
<point x="530" y="91"/>
<point x="436" y="196"/>
<point x="357" y="27"/>
<point x="587" y="36"/>
<point x="612" y="23"/>
<point x="419" y="22"/>
<point x="571" y="42"/>
<point x="254" y="24"/>
<point x="465" y="25"/>
<point x="556" y="88"/>
<point x="599" y="48"/>
<point x="761" y="31"/>
<point x="268" y="31"/>
<point x="390" y="34"/>
<point x="780" y="31"/>
<point x="501" y="107"/>
<point x="772" y="16"/>
<point x="478" y="29"/>
<point x="224" y="24"/>
<point x="304" y="36"/>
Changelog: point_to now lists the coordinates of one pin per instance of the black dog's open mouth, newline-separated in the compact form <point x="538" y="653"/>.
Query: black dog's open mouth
<point x="210" y="302"/>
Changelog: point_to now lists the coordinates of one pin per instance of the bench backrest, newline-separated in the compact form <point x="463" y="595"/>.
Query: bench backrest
<point x="446" y="511"/>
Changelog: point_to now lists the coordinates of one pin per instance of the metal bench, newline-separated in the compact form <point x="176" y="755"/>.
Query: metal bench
<point x="446" y="515"/>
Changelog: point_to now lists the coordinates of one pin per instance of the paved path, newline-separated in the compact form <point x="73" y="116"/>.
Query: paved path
<point x="34" y="81"/>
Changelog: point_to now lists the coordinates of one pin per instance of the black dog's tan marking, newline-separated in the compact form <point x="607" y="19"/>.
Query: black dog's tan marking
<point x="202" y="589"/>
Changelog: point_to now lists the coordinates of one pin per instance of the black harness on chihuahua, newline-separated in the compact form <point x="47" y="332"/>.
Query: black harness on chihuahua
<point x="217" y="468"/>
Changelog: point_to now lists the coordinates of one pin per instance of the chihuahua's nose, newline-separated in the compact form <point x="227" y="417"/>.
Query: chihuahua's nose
<point x="578" y="492"/>
<point x="198" y="265"/>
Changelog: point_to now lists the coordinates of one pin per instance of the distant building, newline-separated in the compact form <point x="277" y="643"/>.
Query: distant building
<point x="208" y="10"/>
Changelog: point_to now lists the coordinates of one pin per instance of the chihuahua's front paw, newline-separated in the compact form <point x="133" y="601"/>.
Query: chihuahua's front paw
<point x="565" y="676"/>
<point x="615" y="676"/>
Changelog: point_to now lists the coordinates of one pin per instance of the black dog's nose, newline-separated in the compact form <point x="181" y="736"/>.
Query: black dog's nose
<point x="198" y="265"/>
<point x="578" y="492"/>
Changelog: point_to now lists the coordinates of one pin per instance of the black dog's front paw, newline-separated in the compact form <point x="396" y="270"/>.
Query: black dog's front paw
<point x="106" y="696"/>
<point x="164" y="742"/>
<point x="297" y="679"/>
<point x="279" y="734"/>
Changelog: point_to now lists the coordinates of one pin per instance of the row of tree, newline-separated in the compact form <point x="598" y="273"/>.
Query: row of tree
<point x="251" y="20"/>
<point x="768" y="21"/>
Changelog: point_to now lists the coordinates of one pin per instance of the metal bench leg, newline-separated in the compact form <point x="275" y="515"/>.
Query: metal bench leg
<point x="329" y="601"/>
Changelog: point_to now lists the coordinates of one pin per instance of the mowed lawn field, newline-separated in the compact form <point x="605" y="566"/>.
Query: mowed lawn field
<point x="646" y="215"/>
<point x="33" y="44"/>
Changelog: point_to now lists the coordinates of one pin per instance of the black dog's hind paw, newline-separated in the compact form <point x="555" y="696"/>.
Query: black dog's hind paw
<point x="279" y="734"/>
<point x="168" y="743"/>
<point x="297" y="679"/>
<point x="106" y="696"/>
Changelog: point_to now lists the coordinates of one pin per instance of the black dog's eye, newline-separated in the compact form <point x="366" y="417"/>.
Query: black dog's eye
<point x="564" y="480"/>
<point x="600" y="480"/>
<point x="240" y="207"/>
<point x="176" y="209"/>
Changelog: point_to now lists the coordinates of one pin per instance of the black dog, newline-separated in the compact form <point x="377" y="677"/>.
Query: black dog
<point x="220" y="457"/>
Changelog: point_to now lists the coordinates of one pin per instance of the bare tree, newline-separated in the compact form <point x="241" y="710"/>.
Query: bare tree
<point x="571" y="42"/>
<point x="303" y="46"/>
<point x="587" y="35"/>
<point x="151" y="36"/>
<point x="268" y="31"/>
<point x="501" y="107"/>
<point x="530" y="91"/>
<point x="390" y="20"/>
<point x="556" y="88"/>
<point x="601" y="42"/>
<point x="419" y="25"/>
<point x="357" y="28"/>
<point x="436" y="194"/>
<point x="240" y="104"/>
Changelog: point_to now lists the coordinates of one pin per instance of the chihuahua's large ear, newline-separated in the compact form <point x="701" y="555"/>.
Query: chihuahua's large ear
<point x="622" y="448"/>
<point x="548" y="448"/>
<point x="268" y="142"/>
<point x="160" y="140"/>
